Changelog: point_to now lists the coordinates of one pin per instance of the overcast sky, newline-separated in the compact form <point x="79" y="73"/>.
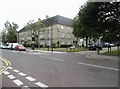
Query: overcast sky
<point x="21" y="11"/>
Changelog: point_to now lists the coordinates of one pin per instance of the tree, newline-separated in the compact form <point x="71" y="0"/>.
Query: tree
<point x="96" y="20"/>
<point x="3" y="36"/>
<point x="35" y="29"/>
<point x="110" y="19"/>
<point x="83" y="22"/>
<point x="11" y="35"/>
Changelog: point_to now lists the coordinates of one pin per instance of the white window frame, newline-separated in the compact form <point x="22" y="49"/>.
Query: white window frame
<point x="62" y="42"/>
<point x="62" y="34"/>
<point x="68" y="35"/>
<point x="62" y="27"/>
<point x="69" y="42"/>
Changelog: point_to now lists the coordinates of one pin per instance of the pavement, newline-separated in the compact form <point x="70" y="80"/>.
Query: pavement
<point x="89" y="54"/>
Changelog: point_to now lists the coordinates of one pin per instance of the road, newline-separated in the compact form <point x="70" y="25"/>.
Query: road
<point x="39" y="69"/>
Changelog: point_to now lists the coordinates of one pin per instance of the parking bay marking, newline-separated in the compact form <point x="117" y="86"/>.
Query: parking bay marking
<point x="99" y="66"/>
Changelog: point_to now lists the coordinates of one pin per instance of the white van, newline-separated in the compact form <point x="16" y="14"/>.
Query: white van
<point x="11" y="45"/>
<point x="14" y="45"/>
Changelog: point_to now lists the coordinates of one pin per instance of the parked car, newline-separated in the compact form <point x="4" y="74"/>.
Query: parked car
<point x="92" y="47"/>
<point x="3" y="46"/>
<point x="95" y="46"/>
<point x="112" y="45"/>
<point x="99" y="46"/>
<point x="8" y="45"/>
<point x="106" y="44"/>
<point x="20" y="48"/>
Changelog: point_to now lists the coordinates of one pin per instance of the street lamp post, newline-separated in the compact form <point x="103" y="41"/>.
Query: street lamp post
<point x="51" y="38"/>
<point x="17" y="37"/>
<point x="118" y="44"/>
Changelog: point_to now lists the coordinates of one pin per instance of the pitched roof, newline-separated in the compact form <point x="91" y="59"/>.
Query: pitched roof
<point x="54" y="20"/>
<point x="58" y="20"/>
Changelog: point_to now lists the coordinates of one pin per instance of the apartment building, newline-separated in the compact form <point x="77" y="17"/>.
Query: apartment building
<point x="56" y="31"/>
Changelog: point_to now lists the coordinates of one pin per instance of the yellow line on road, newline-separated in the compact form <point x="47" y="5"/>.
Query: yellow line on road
<point x="7" y="64"/>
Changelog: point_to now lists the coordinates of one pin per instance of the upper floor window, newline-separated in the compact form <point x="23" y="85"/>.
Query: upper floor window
<point x="62" y="27"/>
<point x="69" y="28"/>
<point x="62" y="42"/>
<point x="68" y="35"/>
<point x="69" y="42"/>
<point x="62" y="34"/>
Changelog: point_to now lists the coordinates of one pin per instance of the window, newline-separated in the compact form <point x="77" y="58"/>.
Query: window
<point x="68" y="35"/>
<point x="22" y="38"/>
<point x="49" y="43"/>
<point x="29" y="38"/>
<point x="69" y="42"/>
<point x="41" y="36"/>
<point x="49" y="35"/>
<point x="69" y="28"/>
<point x="42" y="42"/>
<point x="62" y="42"/>
<point x="49" y="27"/>
<point x="62" y="27"/>
<point x="62" y="34"/>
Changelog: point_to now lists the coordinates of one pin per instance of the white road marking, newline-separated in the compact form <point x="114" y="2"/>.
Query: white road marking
<point x="37" y="53"/>
<point x="18" y="82"/>
<point x="99" y="66"/>
<point x="22" y="74"/>
<point x="57" y="59"/>
<point x="25" y="86"/>
<point x="16" y="71"/>
<point x="53" y="58"/>
<point x="11" y="76"/>
<point x="6" y="72"/>
<point x="41" y="84"/>
<point x="30" y="78"/>
<point x="10" y="67"/>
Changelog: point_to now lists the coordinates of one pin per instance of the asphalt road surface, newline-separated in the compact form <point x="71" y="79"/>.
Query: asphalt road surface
<point x="39" y="69"/>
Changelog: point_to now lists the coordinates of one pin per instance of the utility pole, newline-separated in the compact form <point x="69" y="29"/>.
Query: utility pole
<point x="51" y="38"/>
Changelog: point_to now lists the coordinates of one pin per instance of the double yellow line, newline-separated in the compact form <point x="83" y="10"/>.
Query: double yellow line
<point x="5" y="67"/>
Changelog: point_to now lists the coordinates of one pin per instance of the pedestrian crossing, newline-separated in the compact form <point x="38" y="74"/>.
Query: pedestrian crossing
<point x="22" y="79"/>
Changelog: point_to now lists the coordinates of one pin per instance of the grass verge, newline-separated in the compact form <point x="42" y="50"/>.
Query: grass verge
<point x="112" y="53"/>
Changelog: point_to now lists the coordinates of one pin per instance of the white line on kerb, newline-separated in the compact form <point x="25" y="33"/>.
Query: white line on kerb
<point x="18" y="82"/>
<point x="41" y="85"/>
<point x="30" y="78"/>
<point x="99" y="66"/>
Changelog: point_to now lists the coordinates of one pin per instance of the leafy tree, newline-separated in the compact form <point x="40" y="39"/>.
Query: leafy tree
<point x="11" y="29"/>
<point x="3" y="36"/>
<point x="98" y="19"/>
<point x="35" y="29"/>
